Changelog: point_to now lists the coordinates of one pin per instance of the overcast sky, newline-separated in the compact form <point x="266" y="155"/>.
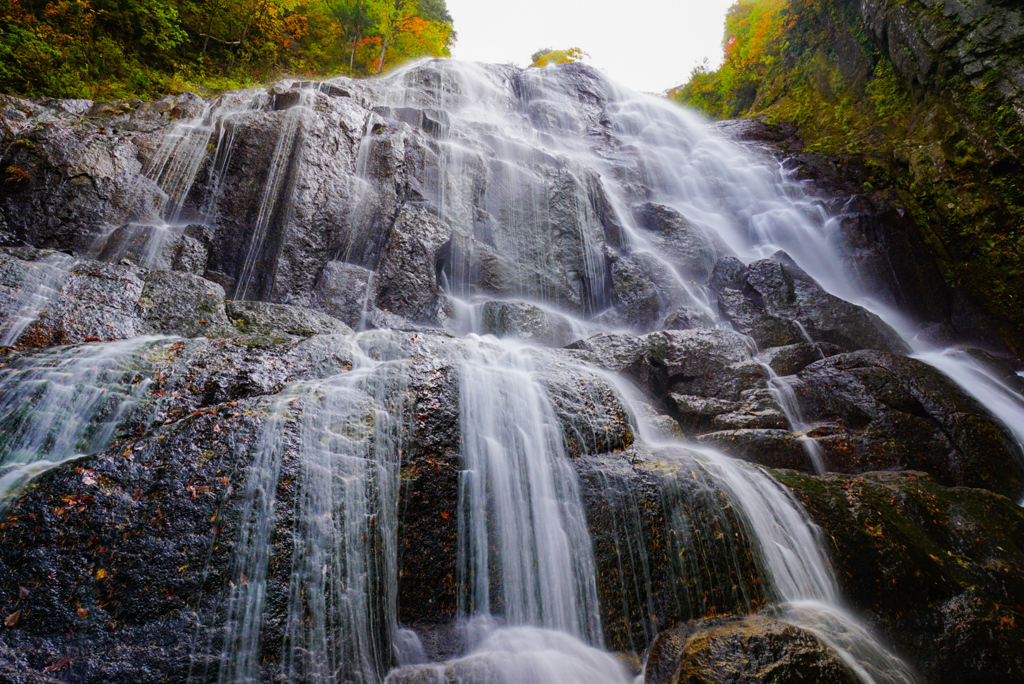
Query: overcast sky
<point x="648" y="45"/>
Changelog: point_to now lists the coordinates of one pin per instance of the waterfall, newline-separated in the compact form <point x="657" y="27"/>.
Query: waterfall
<point x="555" y="195"/>
<point x="274" y="204"/>
<point x="523" y="535"/>
<point x="70" y="401"/>
<point x="40" y="286"/>
<point x="340" y="438"/>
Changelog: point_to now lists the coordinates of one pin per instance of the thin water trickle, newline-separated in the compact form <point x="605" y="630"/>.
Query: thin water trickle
<point x="341" y="437"/>
<point x="785" y="397"/>
<point x="274" y="204"/>
<point x="40" y="286"/>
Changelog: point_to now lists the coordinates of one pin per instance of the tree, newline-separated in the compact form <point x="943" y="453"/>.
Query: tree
<point x="543" y="59"/>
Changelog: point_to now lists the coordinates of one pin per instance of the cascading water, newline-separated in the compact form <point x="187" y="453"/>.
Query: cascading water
<point x="340" y="439"/>
<point x="556" y="189"/>
<point x="272" y="207"/>
<point x="785" y="397"/>
<point x="38" y="289"/>
<point x="523" y="535"/>
<point x="68" y="402"/>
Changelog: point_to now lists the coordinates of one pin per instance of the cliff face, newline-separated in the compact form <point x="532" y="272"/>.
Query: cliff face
<point x="207" y="476"/>
<point x="924" y="99"/>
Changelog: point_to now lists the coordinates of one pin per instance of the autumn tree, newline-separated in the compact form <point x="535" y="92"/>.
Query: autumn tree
<point x="543" y="58"/>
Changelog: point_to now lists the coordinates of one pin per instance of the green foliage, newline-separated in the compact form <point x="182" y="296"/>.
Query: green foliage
<point x="118" y="48"/>
<point x="753" y="45"/>
<point x="951" y="151"/>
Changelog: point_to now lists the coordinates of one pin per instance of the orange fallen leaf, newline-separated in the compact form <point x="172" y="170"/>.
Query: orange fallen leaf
<point x="101" y="573"/>
<point x="12" y="619"/>
<point x="83" y="613"/>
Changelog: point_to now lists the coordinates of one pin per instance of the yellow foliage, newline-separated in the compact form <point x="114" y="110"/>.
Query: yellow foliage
<point x="573" y="54"/>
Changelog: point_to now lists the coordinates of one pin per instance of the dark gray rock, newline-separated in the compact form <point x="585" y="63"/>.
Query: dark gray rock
<point x="175" y="303"/>
<point x="662" y="543"/>
<point x="686" y="318"/>
<point x="345" y="291"/>
<point x="776" y="295"/>
<point x="689" y="248"/>
<point x="122" y="545"/>
<point x="940" y="570"/>
<point x="644" y="290"/>
<point x="96" y="301"/>
<point x="526" y="321"/>
<point x="406" y="274"/>
<point x="707" y="363"/>
<point x="727" y="273"/>
<point x="262" y="318"/>
<point x="890" y="412"/>
<point x="793" y="358"/>
<point x="773" y="448"/>
<point x="616" y="352"/>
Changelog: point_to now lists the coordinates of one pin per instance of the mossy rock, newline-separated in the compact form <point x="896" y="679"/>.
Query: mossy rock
<point x="754" y="650"/>
<point x="281" y="320"/>
<point x="941" y="569"/>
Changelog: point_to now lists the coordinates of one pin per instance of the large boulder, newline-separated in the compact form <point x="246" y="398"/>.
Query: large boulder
<point x="345" y="291"/>
<point x="121" y="549"/>
<point x="96" y="301"/>
<point x="754" y="650"/>
<point x="777" y="304"/>
<point x="688" y="247"/>
<point x="526" y="321"/>
<point x="878" y="411"/>
<point x="406" y="276"/>
<point x="940" y="570"/>
<point x="183" y="304"/>
<point x="281" y="320"/>
<point x="666" y="550"/>
<point x="644" y="290"/>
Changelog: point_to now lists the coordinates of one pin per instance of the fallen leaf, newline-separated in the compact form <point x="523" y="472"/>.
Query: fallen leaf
<point x="12" y="619"/>
<point x="59" y="665"/>
<point x="22" y="592"/>
<point x="101" y="573"/>
<point x="83" y="613"/>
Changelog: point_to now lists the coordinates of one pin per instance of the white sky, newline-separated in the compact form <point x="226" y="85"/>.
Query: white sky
<point x="647" y="45"/>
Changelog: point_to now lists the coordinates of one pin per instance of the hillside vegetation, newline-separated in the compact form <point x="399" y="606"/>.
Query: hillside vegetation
<point x="925" y="97"/>
<point x="117" y="48"/>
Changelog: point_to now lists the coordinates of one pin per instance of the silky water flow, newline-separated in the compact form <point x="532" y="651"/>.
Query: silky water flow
<point x="328" y="459"/>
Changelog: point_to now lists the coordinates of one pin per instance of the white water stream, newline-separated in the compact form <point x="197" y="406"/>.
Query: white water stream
<point x="70" y="401"/>
<point x="510" y="145"/>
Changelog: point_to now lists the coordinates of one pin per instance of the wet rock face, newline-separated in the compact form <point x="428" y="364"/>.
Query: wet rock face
<point x="882" y="411"/>
<point x="96" y="301"/>
<point x="775" y="299"/>
<point x="684" y="245"/>
<point x="528" y="322"/>
<point x="359" y="221"/>
<point x="119" y="548"/>
<point x="938" y="568"/>
<point x="757" y="649"/>
<point x="647" y="510"/>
